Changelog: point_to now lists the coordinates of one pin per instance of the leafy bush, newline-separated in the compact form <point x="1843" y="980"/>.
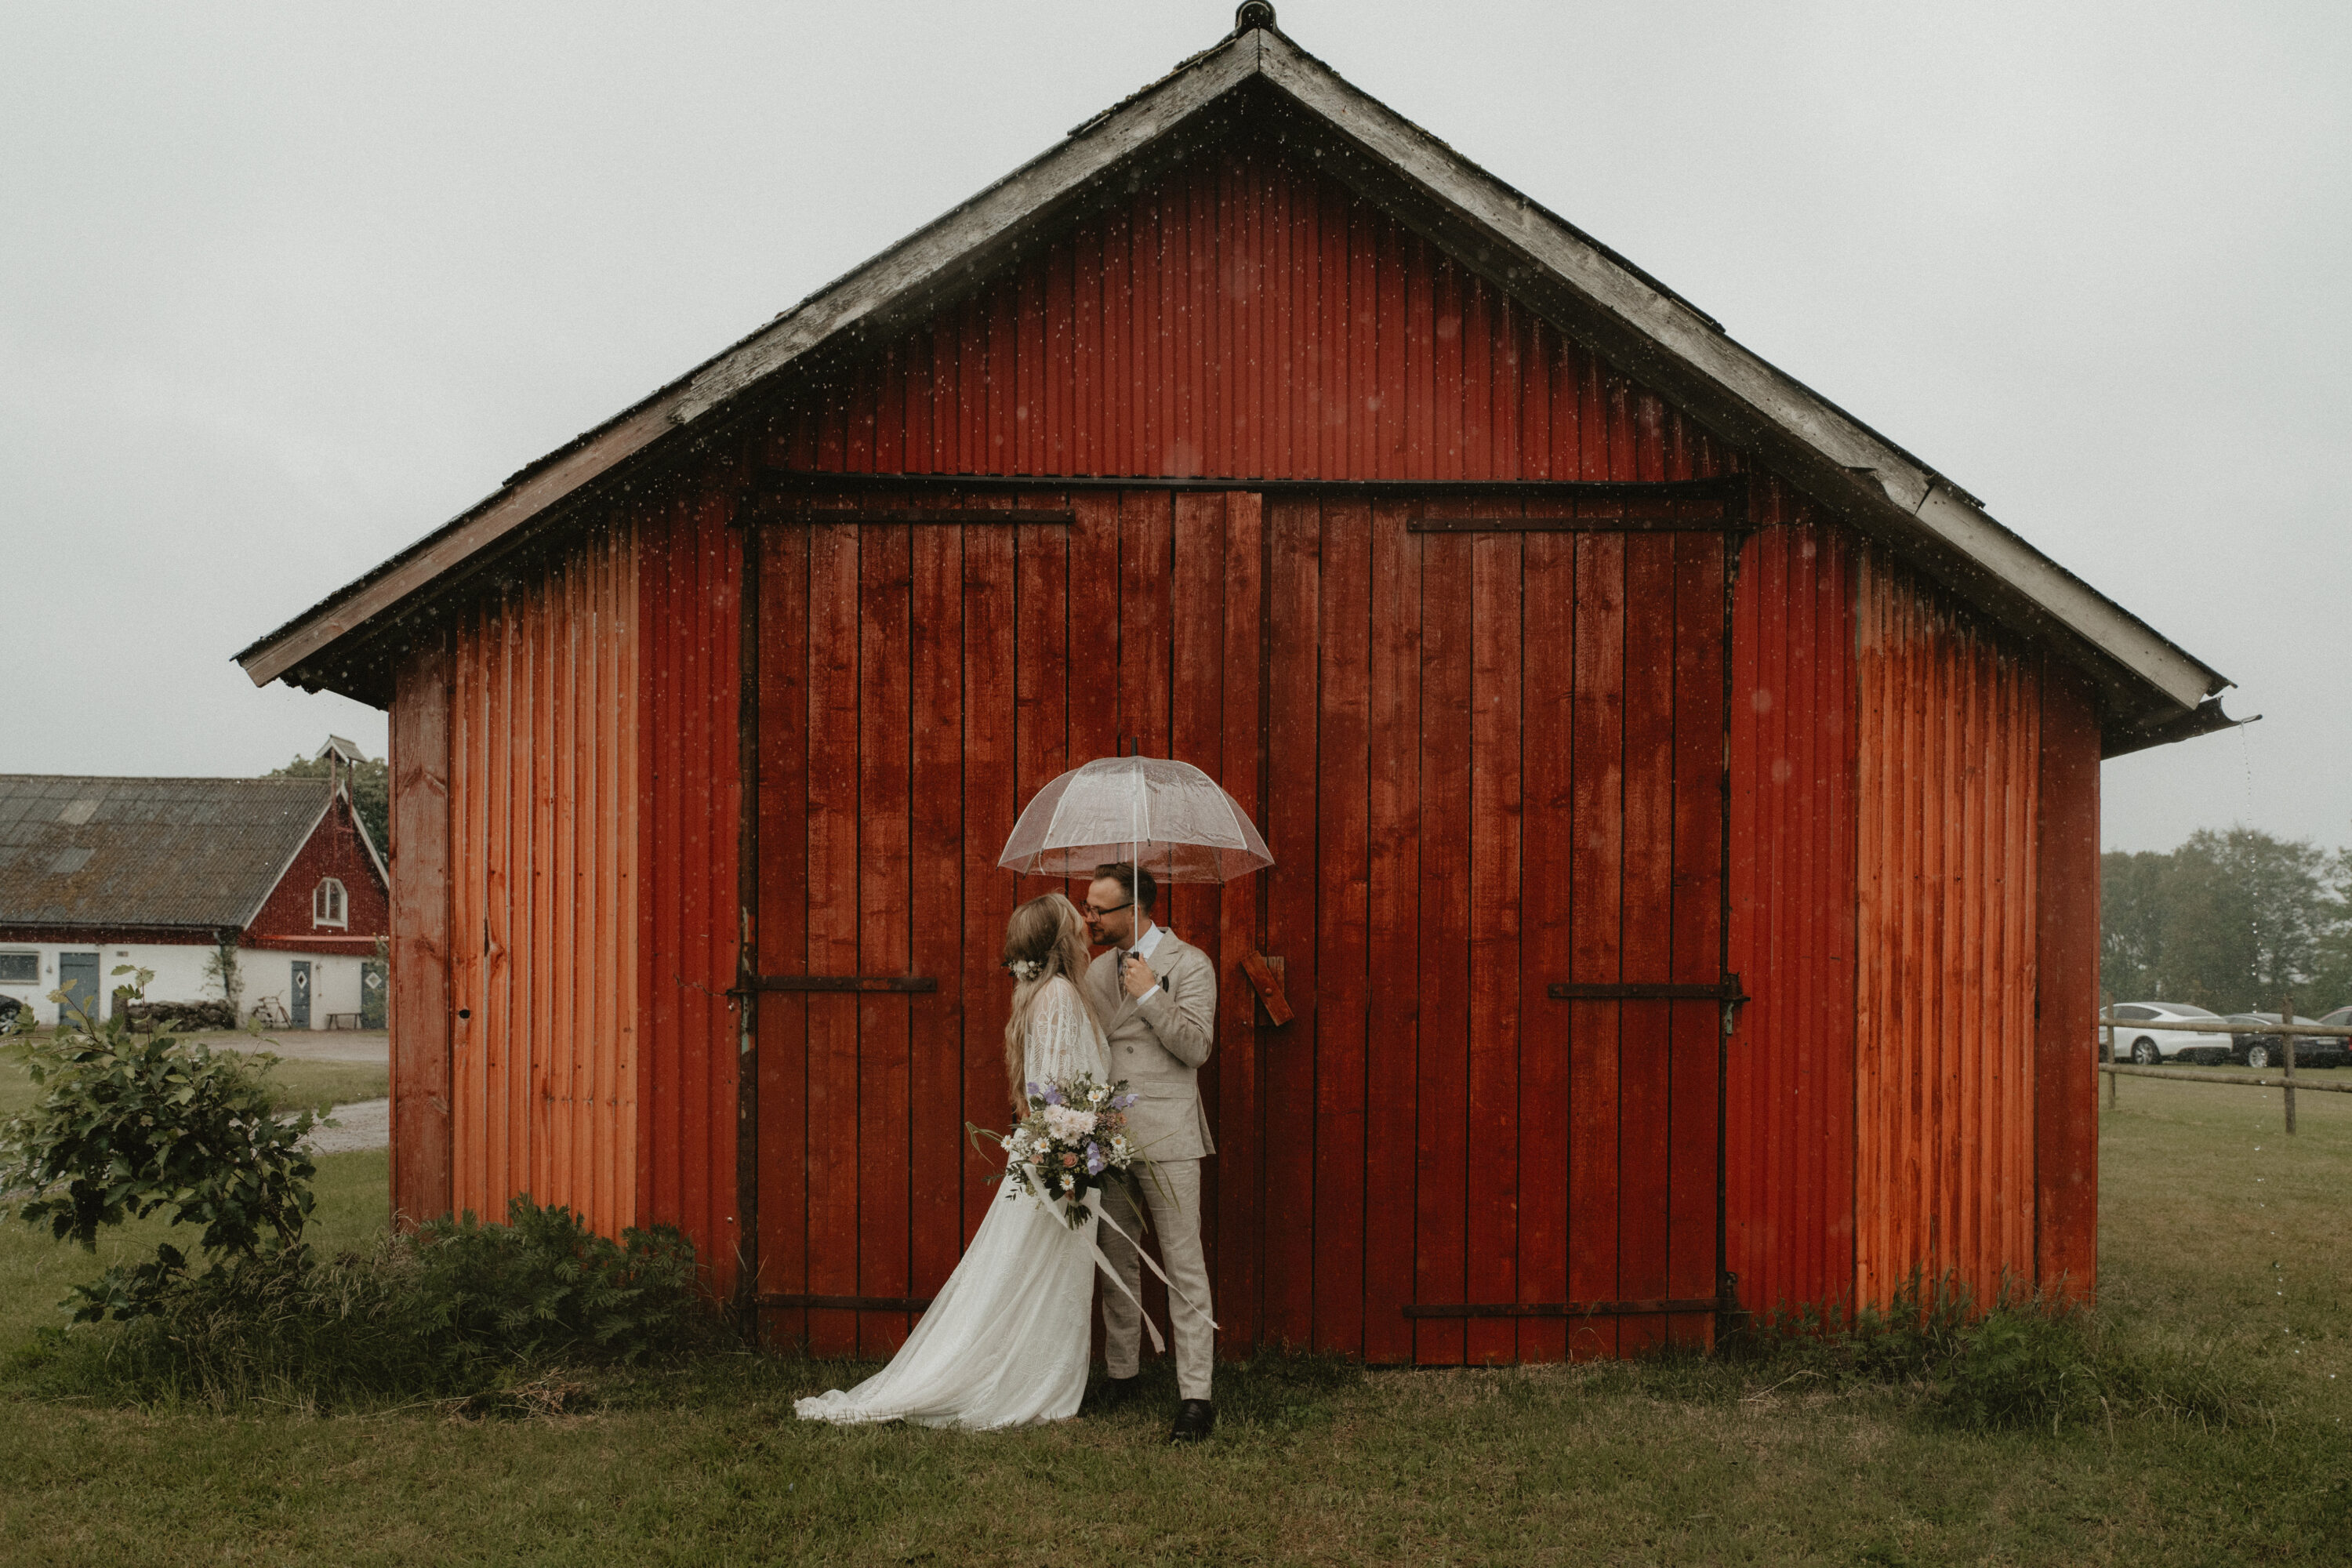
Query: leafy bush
<point x="131" y="1126"/>
<point x="543" y="1286"/>
<point x="457" y="1310"/>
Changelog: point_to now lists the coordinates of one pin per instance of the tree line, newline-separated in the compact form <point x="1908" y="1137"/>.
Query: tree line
<point x="2231" y="920"/>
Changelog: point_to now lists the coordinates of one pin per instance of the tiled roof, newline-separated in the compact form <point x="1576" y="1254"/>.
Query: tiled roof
<point x="131" y="852"/>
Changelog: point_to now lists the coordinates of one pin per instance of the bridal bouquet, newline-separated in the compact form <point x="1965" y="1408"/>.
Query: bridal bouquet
<point x="1073" y="1134"/>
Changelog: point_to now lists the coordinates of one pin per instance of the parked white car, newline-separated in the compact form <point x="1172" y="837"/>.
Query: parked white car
<point x="2151" y="1047"/>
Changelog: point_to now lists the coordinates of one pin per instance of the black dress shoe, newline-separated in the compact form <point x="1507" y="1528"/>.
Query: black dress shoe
<point x="1117" y="1391"/>
<point x="1195" y="1417"/>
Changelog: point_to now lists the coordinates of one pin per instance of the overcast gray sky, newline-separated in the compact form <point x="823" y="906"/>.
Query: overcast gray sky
<point x="282" y="287"/>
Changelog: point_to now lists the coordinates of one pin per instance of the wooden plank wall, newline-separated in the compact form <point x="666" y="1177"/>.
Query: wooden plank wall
<point x="421" y="1013"/>
<point x="1789" y="1140"/>
<point x="1244" y="315"/>
<point x="918" y="684"/>
<point x="684" y="960"/>
<point x="1515" y="749"/>
<point x="1495" y="802"/>
<point x="2065" y="1095"/>
<point x="1948" y="784"/>
<point x="542" y="879"/>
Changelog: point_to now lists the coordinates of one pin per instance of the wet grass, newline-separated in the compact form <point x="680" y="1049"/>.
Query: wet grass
<point x="2223" y="1258"/>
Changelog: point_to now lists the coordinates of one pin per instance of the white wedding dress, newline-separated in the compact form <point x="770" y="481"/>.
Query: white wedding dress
<point x="1006" y="1340"/>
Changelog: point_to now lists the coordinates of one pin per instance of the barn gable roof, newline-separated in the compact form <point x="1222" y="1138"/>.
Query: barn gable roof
<point x="2152" y="691"/>
<point x="203" y="853"/>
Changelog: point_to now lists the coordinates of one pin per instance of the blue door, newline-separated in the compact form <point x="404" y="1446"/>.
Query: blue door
<point x="375" y="977"/>
<point x="78" y="978"/>
<point x="301" y="1007"/>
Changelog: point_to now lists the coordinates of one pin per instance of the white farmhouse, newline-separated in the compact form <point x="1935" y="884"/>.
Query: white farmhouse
<point x="162" y="873"/>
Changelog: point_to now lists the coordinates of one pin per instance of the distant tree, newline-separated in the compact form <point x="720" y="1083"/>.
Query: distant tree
<point x="2131" y="918"/>
<point x="370" y="793"/>
<point x="2331" y="964"/>
<point x="2228" y="920"/>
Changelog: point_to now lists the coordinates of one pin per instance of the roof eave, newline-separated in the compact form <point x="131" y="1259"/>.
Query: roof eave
<point x="956" y="242"/>
<point x="2150" y="685"/>
<point x="1893" y="493"/>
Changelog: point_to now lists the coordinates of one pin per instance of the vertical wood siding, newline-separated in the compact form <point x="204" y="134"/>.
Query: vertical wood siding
<point x="421" y="1012"/>
<point x="1789" y="1140"/>
<point x="916" y="685"/>
<point x="1248" y="315"/>
<point x="1947" y="776"/>
<point x="1499" y="763"/>
<point x="1484" y="762"/>
<point x="684" y="951"/>
<point x="1244" y="315"/>
<point x="1543" y="1151"/>
<point x="542" y="878"/>
<point x="2066" y="1092"/>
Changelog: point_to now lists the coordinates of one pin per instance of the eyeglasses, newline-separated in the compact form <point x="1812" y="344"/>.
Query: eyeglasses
<point x="1093" y="913"/>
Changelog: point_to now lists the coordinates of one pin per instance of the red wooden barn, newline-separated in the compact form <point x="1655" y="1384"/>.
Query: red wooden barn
<point x="1686" y="801"/>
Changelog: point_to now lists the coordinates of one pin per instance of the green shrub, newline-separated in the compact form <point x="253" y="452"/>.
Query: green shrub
<point x="543" y="1286"/>
<point x="456" y="1310"/>
<point x="130" y="1126"/>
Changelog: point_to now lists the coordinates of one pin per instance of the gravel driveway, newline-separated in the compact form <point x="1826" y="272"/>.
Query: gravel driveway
<point x="362" y="1124"/>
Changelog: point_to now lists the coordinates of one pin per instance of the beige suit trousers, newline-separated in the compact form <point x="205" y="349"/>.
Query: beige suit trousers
<point x="1172" y="1188"/>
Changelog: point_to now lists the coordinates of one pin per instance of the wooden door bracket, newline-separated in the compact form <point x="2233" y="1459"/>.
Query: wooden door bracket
<point x="1265" y="977"/>
<point x="864" y="983"/>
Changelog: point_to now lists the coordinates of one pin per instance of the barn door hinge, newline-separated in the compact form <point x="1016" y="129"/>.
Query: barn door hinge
<point x="1726" y="991"/>
<point x="1648" y="1307"/>
<point x="898" y="985"/>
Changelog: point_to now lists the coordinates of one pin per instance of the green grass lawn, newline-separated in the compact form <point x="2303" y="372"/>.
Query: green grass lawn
<point x="2222" y="1240"/>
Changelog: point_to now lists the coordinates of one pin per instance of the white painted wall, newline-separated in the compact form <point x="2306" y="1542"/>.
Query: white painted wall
<point x="334" y="980"/>
<point x="335" y="977"/>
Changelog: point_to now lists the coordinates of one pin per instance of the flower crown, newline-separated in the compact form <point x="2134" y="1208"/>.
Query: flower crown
<point x="1025" y="968"/>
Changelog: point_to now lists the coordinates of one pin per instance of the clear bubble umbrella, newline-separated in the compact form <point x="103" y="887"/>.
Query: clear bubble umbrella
<point x="1167" y="816"/>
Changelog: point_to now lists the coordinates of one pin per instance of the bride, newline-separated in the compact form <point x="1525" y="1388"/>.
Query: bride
<point x="1006" y="1340"/>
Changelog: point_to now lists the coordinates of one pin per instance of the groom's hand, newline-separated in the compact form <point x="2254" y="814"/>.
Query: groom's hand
<point x="1137" y="977"/>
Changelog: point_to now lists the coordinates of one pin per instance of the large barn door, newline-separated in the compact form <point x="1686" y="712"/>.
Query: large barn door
<point x="918" y="663"/>
<point x="1494" y="788"/>
<point x="1487" y="752"/>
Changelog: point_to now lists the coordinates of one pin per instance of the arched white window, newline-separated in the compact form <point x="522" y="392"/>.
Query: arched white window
<point x="327" y="905"/>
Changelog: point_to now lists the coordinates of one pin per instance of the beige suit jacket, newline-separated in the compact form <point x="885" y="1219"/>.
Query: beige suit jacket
<point x="1158" y="1044"/>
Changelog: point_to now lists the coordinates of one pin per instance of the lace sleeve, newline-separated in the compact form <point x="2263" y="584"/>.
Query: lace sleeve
<point x="1063" y="1040"/>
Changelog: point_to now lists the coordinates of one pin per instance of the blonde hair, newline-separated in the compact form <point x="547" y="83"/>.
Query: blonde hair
<point x="1044" y="938"/>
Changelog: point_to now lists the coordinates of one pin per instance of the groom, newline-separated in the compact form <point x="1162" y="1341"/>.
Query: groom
<point x="1157" y="999"/>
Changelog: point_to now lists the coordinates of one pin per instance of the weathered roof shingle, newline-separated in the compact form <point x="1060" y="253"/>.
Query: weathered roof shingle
<point x="147" y="852"/>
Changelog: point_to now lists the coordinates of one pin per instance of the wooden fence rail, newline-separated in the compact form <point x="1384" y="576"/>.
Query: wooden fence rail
<point x="2254" y="1080"/>
<point x="2227" y="1027"/>
<point x="2285" y="1082"/>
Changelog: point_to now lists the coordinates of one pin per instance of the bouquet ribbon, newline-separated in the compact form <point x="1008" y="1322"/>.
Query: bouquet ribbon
<point x="1159" y="1346"/>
